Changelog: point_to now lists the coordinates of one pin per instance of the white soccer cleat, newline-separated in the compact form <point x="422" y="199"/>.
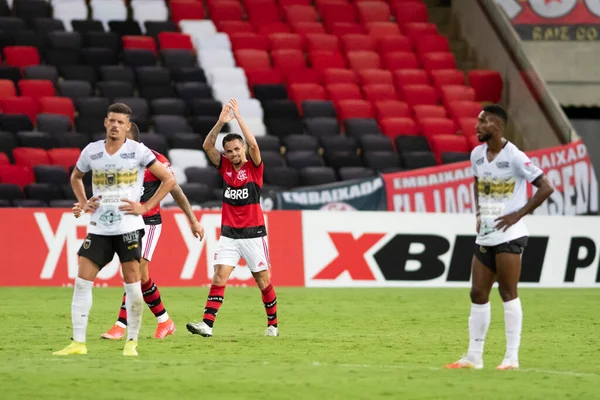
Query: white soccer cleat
<point x="272" y="331"/>
<point x="199" y="328"/>
<point x="466" y="362"/>
<point x="508" y="364"/>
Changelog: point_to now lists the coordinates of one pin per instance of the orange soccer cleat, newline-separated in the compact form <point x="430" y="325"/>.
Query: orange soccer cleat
<point x="116" y="332"/>
<point x="164" y="329"/>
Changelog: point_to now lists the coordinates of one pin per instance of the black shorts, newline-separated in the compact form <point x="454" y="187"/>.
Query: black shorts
<point x="101" y="249"/>
<point x="487" y="254"/>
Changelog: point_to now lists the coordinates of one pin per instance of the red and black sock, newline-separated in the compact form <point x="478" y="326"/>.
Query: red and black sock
<point x="152" y="298"/>
<point x="123" y="312"/>
<point x="269" y="299"/>
<point x="213" y="303"/>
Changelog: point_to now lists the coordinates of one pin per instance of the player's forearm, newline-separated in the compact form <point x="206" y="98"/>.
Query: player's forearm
<point x="476" y="193"/>
<point x="78" y="190"/>
<point x="248" y="135"/>
<point x="211" y="138"/>
<point x="165" y="188"/>
<point x="543" y="192"/>
<point x="183" y="203"/>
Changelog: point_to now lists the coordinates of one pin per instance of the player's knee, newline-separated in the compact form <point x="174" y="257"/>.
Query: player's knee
<point x="262" y="279"/>
<point x="508" y="293"/>
<point x="479" y="295"/>
<point x="131" y="271"/>
<point x="221" y="275"/>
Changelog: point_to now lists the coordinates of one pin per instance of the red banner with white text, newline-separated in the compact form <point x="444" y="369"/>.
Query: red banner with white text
<point x="449" y="188"/>
<point x="39" y="248"/>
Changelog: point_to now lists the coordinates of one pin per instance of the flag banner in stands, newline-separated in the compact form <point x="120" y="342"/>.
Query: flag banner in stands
<point x="354" y="195"/>
<point x="449" y="188"/>
<point x="308" y="248"/>
<point x="554" y="20"/>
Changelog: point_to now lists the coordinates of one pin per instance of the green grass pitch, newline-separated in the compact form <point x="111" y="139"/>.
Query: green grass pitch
<point x="334" y="344"/>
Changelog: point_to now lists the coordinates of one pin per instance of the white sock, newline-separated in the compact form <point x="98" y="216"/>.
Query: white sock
<point x="135" y="308"/>
<point x="80" y="308"/>
<point x="513" y="322"/>
<point x="479" y="322"/>
<point x="162" y="318"/>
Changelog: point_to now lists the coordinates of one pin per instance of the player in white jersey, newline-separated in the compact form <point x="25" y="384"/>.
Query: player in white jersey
<point x="116" y="224"/>
<point x="501" y="173"/>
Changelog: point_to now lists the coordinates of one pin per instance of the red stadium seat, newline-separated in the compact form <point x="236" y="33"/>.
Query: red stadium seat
<point x="322" y="42"/>
<point x="21" y="56"/>
<point x="373" y="12"/>
<point x="16" y="175"/>
<point x="7" y="88"/>
<point x="36" y="88"/>
<point x="230" y="27"/>
<point x="394" y="43"/>
<point x="355" y="42"/>
<point x="287" y="41"/>
<point x="437" y="126"/>
<point x="452" y="93"/>
<point x="487" y="85"/>
<point x="30" y="157"/>
<point x="340" y="29"/>
<point x="418" y="94"/>
<point x="64" y="157"/>
<point x="407" y="12"/>
<point x="263" y="76"/>
<point x="448" y="143"/>
<point x="410" y="77"/>
<point x="396" y="126"/>
<point x="354" y="108"/>
<point x="248" y="40"/>
<point x="303" y="75"/>
<point x="391" y="109"/>
<point x="343" y="91"/>
<point x="432" y="43"/>
<point x="429" y="111"/>
<point x="285" y="3"/>
<point x="472" y="140"/>
<point x="273" y="27"/>
<point x="326" y="59"/>
<point x="416" y="30"/>
<point x="304" y="28"/>
<point x="435" y="60"/>
<point x="400" y="60"/>
<point x="358" y="60"/>
<point x="58" y="105"/>
<point x="225" y="10"/>
<point x="375" y="76"/>
<point x="22" y="105"/>
<point x="288" y="59"/>
<point x="4" y="160"/>
<point x="300" y="14"/>
<point x="337" y="12"/>
<point x="175" y="40"/>
<point x="464" y="109"/>
<point x="140" y="42"/>
<point x="383" y="29"/>
<point x="299" y="92"/>
<point x="252" y="59"/>
<point x="185" y="9"/>
<point x="377" y="92"/>
<point x="466" y="126"/>
<point x="262" y="12"/>
<point x="338" y="75"/>
<point x="443" y="77"/>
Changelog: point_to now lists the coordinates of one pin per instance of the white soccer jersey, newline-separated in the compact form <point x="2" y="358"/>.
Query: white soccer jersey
<point x="115" y="177"/>
<point x="502" y="187"/>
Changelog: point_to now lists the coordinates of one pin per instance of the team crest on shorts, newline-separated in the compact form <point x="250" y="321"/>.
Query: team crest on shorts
<point x="87" y="243"/>
<point x="482" y="249"/>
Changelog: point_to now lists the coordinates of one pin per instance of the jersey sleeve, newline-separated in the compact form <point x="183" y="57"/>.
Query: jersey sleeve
<point x="224" y="165"/>
<point x="147" y="158"/>
<point x="473" y="163"/>
<point x="525" y="168"/>
<point x="83" y="162"/>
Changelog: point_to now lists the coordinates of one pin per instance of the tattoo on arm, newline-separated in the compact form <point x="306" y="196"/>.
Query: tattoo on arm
<point x="183" y="203"/>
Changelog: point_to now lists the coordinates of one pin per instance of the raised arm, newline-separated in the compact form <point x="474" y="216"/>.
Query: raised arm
<point x="248" y="135"/>
<point x="211" y="139"/>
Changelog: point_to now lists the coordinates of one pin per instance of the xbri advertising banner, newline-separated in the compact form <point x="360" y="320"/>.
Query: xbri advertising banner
<point x="359" y="194"/>
<point x="554" y="20"/>
<point x="449" y="188"/>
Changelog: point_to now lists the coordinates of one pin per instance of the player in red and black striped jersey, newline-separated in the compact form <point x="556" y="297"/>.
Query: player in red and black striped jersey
<point x="243" y="231"/>
<point x="153" y="228"/>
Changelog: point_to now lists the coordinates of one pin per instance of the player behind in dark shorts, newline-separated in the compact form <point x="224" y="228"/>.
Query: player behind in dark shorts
<point x="501" y="173"/>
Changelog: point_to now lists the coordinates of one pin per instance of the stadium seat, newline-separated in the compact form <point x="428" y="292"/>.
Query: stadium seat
<point x="394" y="126"/>
<point x="452" y="93"/>
<point x="473" y="141"/>
<point x="303" y="159"/>
<point x="144" y="11"/>
<point x="41" y="72"/>
<point x="305" y="28"/>
<point x="36" y="88"/>
<point x="338" y="75"/>
<point x="410" y="143"/>
<point x="358" y="42"/>
<point x="288" y="59"/>
<point x="346" y="28"/>
<point x="356" y="127"/>
<point x="65" y="158"/>
<point x="438" y="60"/>
<point x="487" y="85"/>
<point x="9" y="193"/>
<point x="20" y="175"/>
<point x="437" y="126"/>
<point x="443" y="77"/>
<point x="358" y="60"/>
<point x="322" y="127"/>
<point x="449" y="157"/>
<point x="322" y="42"/>
<point x="466" y="126"/>
<point x="404" y="77"/>
<point x="354" y="109"/>
<point x="432" y="43"/>
<point x="374" y="142"/>
<point x="321" y="60"/>
<point x="377" y="92"/>
<point x="313" y="176"/>
<point x="108" y="10"/>
<point x="400" y="60"/>
<point x="380" y="30"/>
<point x="282" y="176"/>
<point x="252" y="59"/>
<point x="21" y="56"/>
<point x="7" y="88"/>
<point x="58" y="105"/>
<point x="299" y="92"/>
<point x="407" y="12"/>
<point x="429" y="111"/>
<point x="375" y="76"/>
<point x="186" y="10"/>
<point x="300" y="13"/>
<point x="297" y="142"/>
<point x="175" y="40"/>
<point x="21" y="105"/>
<point x="448" y="143"/>
<point x="418" y="159"/>
<point x="391" y="109"/>
<point x="343" y="91"/>
<point x="54" y="124"/>
<point x="464" y="109"/>
<point x="418" y="94"/>
<point x="373" y="11"/>
<point x="389" y="44"/>
<point x="225" y="10"/>
<point x="249" y="40"/>
<point x="30" y="157"/>
<point x="40" y="140"/>
<point x="139" y="42"/>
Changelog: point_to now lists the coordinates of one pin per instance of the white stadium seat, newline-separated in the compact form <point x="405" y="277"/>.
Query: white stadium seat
<point x="218" y="41"/>
<point x="69" y="10"/>
<point x="149" y="10"/>
<point x="233" y="76"/>
<point x="184" y="158"/>
<point x="216" y="59"/>
<point x="108" y="10"/>
<point x="223" y="92"/>
<point x="198" y="28"/>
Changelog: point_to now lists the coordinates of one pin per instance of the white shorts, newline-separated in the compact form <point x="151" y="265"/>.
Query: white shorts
<point x="150" y="240"/>
<point x="254" y="251"/>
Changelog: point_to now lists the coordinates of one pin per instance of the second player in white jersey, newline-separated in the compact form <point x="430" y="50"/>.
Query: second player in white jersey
<point x="115" y="177"/>
<point x="502" y="190"/>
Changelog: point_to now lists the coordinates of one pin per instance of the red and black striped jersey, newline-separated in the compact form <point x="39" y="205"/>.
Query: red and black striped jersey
<point x="151" y="184"/>
<point x="242" y="216"/>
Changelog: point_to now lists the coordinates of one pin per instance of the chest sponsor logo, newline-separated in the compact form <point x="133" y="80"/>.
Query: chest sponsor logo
<point x="236" y="194"/>
<point x="128" y="156"/>
<point x="479" y="161"/>
<point x="97" y="156"/>
<point x="502" y="164"/>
